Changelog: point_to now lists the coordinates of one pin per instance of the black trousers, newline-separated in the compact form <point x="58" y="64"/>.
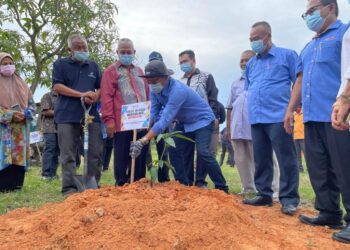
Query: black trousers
<point x="11" y="178"/>
<point x="328" y="161"/>
<point x="122" y="159"/>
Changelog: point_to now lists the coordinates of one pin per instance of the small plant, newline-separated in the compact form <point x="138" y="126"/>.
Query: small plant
<point x="160" y="163"/>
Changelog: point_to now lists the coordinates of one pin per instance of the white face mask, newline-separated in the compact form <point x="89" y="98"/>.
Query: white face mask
<point x="156" y="88"/>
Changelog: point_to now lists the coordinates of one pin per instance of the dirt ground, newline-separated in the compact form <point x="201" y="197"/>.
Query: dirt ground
<point x="168" y="216"/>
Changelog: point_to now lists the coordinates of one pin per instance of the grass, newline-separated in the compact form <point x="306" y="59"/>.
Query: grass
<point x="36" y="192"/>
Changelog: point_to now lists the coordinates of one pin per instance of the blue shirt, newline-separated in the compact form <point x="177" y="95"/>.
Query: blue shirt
<point x="320" y="63"/>
<point x="81" y="77"/>
<point x="238" y="102"/>
<point x="269" y="79"/>
<point x="180" y="103"/>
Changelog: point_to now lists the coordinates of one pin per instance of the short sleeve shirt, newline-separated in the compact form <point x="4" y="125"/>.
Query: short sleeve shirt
<point x="81" y="77"/>
<point x="48" y="103"/>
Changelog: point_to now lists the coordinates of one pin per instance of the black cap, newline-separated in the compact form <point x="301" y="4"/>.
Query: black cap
<point x="156" y="68"/>
<point x="155" y="56"/>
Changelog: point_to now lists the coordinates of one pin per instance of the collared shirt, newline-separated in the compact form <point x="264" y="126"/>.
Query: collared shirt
<point x="180" y="103"/>
<point x="345" y="62"/>
<point x="204" y="84"/>
<point x="319" y="62"/>
<point x="81" y="77"/>
<point x="269" y="79"/>
<point x="48" y="102"/>
<point x="298" y="130"/>
<point x="121" y="85"/>
<point x="238" y="102"/>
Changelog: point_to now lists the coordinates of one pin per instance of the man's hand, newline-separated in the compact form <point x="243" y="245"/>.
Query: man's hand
<point x="216" y="124"/>
<point x="136" y="149"/>
<point x="228" y="135"/>
<point x="288" y="121"/>
<point x="18" y="117"/>
<point x="110" y="130"/>
<point x="90" y="97"/>
<point x="339" y="115"/>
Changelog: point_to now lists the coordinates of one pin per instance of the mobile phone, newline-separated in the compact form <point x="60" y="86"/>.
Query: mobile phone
<point x="16" y="107"/>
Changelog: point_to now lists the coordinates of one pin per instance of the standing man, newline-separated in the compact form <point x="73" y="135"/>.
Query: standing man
<point x="318" y="83"/>
<point x="327" y="150"/>
<point x="204" y="84"/>
<point x="188" y="109"/>
<point x="239" y="129"/>
<point x="122" y="84"/>
<point x="299" y="136"/>
<point x="73" y="78"/>
<point x="51" y="149"/>
<point x="269" y="77"/>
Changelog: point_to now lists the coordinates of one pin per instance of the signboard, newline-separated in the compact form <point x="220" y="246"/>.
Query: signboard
<point x="35" y="137"/>
<point x="135" y="116"/>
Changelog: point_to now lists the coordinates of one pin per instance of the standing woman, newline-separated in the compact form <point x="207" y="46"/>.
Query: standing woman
<point x="15" y="112"/>
<point x="121" y="84"/>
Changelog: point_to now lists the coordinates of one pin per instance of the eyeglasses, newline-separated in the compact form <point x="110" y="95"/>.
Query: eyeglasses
<point x="312" y="10"/>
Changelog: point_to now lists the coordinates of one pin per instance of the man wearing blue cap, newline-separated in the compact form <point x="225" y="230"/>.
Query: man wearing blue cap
<point x="184" y="105"/>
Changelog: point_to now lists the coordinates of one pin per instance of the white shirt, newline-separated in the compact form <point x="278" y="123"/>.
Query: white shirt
<point x="345" y="61"/>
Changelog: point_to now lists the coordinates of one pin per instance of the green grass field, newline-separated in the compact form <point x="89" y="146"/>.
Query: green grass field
<point x="37" y="192"/>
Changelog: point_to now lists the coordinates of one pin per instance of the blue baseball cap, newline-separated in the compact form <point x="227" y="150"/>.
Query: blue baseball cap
<point x="155" y="56"/>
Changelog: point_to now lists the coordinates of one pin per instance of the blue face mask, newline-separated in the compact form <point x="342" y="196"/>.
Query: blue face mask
<point x="156" y="88"/>
<point x="81" y="56"/>
<point x="314" y="21"/>
<point x="258" y="46"/>
<point x="126" y="59"/>
<point x="186" y="67"/>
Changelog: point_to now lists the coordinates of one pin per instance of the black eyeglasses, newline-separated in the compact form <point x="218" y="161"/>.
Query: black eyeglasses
<point x="310" y="11"/>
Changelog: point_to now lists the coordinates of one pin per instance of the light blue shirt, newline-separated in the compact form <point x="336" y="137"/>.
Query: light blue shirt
<point x="238" y="102"/>
<point x="269" y="79"/>
<point x="320" y="63"/>
<point x="182" y="104"/>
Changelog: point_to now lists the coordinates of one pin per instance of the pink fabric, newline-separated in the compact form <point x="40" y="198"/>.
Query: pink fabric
<point x="112" y="97"/>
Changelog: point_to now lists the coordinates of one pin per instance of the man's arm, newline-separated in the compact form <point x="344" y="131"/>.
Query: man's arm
<point x="107" y="103"/>
<point x="293" y="104"/>
<point x="228" y="124"/>
<point x="341" y="109"/>
<point x="212" y="93"/>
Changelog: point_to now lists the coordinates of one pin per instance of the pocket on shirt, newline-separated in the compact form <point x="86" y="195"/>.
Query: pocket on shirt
<point x="328" y="51"/>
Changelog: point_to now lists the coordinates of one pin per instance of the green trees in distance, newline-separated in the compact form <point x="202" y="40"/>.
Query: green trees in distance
<point x="38" y="32"/>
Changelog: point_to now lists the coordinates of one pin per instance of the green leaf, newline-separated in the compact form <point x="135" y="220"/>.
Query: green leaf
<point x="154" y="174"/>
<point x="168" y="164"/>
<point x="170" y="141"/>
<point x="161" y="163"/>
<point x="159" y="137"/>
<point x="184" y="137"/>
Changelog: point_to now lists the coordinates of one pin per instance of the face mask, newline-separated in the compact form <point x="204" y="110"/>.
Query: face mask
<point x="126" y="59"/>
<point x="7" y="70"/>
<point x="156" y="88"/>
<point x="258" y="46"/>
<point x="314" y="21"/>
<point x="186" y="67"/>
<point x="81" y="56"/>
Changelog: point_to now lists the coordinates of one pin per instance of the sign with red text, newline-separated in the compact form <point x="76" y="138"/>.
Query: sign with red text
<point x="135" y="116"/>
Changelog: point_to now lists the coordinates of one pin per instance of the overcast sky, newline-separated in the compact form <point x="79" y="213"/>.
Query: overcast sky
<point x="217" y="30"/>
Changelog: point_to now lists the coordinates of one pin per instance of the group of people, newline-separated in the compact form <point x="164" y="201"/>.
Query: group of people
<point x="264" y="104"/>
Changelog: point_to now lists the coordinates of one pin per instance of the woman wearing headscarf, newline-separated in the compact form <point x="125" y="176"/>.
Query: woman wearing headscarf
<point x="15" y="115"/>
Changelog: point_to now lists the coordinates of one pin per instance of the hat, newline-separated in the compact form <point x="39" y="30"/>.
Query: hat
<point x="155" y="56"/>
<point x="156" y="68"/>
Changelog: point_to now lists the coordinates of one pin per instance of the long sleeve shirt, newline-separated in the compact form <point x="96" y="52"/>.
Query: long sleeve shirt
<point x="182" y="104"/>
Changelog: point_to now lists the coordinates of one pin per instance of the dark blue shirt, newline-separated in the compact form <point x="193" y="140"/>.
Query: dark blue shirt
<point x="320" y="64"/>
<point x="81" y="77"/>
<point x="269" y="80"/>
<point x="179" y="102"/>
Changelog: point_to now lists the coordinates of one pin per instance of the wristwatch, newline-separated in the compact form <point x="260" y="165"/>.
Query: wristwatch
<point x="144" y="140"/>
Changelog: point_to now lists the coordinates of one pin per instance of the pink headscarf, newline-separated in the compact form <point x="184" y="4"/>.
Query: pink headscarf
<point x="13" y="90"/>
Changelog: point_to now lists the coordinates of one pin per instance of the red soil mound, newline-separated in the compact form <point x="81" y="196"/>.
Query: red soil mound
<point x="168" y="216"/>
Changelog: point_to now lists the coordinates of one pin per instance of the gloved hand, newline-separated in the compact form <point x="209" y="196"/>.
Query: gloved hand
<point x="136" y="148"/>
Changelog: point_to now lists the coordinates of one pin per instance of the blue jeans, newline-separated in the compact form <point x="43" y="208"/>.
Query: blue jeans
<point x="202" y="139"/>
<point x="50" y="155"/>
<point x="268" y="137"/>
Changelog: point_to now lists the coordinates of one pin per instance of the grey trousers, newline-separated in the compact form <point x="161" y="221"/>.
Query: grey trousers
<point x="69" y="136"/>
<point x="300" y="147"/>
<point x="244" y="159"/>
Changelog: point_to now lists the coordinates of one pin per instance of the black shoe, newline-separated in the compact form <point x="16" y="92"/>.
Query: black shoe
<point x="322" y="220"/>
<point x="343" y="236"/>
<point x="289" y="209"/>
<point x="258" y="201"/>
